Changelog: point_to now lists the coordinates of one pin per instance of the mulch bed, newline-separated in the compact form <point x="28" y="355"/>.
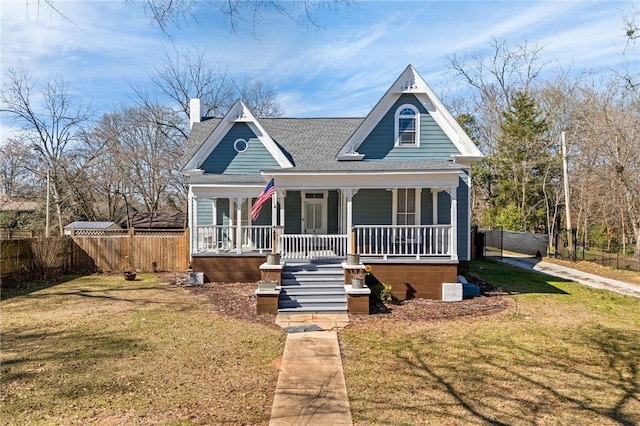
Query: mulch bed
<point x="238" y="301"/>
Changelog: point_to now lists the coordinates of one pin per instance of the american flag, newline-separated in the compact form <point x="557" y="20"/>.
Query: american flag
<point x="263" y="198"/>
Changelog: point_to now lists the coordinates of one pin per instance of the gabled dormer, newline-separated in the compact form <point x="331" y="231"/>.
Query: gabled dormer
<point x="409" y="122"/>
<point x="238" y="145"/>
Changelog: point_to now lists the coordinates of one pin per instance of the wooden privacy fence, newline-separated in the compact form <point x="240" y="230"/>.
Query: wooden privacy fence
<point x="137" y="250"/>
<point x="15" y="258"/>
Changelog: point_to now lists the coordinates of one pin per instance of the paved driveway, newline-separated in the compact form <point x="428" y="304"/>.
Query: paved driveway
<point x="585" y="278"/>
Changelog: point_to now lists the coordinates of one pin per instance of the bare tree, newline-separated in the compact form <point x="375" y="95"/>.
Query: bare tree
<point x="178" y="13"/>
<point x="497" y="76"/>
<point x="259" y="97"/>
<point x="190" y="74"/>
<point x="51" y="119"/>
<point x="17" y="166"/>
<point x="611" y="122"/>
<point x="135" y="158"/>
<point x="182" y="13"/>
<point x="559" y="98"/>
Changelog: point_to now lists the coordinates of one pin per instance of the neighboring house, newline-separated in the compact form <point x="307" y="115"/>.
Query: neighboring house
<point x="12" y="210"/>
<point x="90" y="227"/>
<point x="392" y="187"/>
<point x="166" y="221"/>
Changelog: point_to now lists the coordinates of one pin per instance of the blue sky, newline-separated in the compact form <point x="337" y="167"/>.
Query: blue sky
<point x="341" y="69"/>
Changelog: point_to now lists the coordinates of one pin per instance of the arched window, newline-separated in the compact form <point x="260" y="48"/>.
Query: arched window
<point x="407" y="126"/>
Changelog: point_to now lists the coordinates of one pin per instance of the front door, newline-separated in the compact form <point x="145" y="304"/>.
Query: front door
<point x="314" y="216"/>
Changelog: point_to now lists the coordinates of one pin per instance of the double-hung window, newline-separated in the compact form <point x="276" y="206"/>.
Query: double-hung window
<point x="407" y="126"/>
<point x="406" y="206"/>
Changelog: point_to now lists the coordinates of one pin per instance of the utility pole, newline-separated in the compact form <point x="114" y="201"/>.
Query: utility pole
<point x="565" y="173"/>
<point x="46" y="225"/>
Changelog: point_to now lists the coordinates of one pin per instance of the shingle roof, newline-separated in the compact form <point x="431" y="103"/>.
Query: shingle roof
<point x="311" y="140"/>
<point x="303" y="140"/>
<point x="374" y="166"/>
<point x="90" y="225"/>
<point x="227" y="179"/>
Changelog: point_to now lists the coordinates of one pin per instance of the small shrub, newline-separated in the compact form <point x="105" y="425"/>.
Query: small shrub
<point x="48" y="256"/>
<point x="382" y="293"/>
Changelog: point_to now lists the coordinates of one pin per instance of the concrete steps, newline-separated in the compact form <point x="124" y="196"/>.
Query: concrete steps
<point x="312" y="287"/>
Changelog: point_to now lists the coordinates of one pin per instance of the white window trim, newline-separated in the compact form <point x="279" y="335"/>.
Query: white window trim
<point x="325" y="204"/>
<point x="238" y="150"/>
<point x="397" y="127"/>
<point x="418" y="199"/>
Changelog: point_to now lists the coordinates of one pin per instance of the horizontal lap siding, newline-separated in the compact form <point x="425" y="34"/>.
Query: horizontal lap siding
<point x="225" y="160"/>
<point x="434" y="143"/>
<point x="464" y="231"/>
<point x="373" y="207"/>
<point x="205" y="212"/>
<point x="293" y="213"/>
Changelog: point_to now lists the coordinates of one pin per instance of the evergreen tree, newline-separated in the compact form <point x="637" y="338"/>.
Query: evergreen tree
<point x="523" y="164"/>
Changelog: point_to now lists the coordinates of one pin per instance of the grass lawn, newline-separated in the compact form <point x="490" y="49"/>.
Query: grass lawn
<point x="102" y="350"/>
<point x="562" y="353"/>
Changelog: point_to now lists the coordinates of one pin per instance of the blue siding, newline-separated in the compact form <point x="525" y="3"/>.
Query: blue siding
<point x="293" y="213"/>
<point x="434" y="144"/>
<point x="332" y="213"/>
<point x="373" y="207"/>
<point x="223" y="211"/>
<point x="205" y="212"/>
<point x="444" y="208"/>
<point x="463" y="216"/>
<point x="265" y="213"/>
<point x="426" y="207"/>
<point x="225" y="160"/>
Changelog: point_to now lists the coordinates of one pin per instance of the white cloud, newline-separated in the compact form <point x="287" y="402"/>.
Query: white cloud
<point x="340" y="70"/>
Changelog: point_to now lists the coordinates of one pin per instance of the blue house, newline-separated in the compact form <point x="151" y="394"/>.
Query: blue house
<point x="392" y="187"/>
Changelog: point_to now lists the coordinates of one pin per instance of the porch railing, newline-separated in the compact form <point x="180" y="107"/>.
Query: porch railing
<point x="404" y="240"/>
<point x="419" y="241"/>
<point x="223" y="238"/>
<point x="312" y="246"/>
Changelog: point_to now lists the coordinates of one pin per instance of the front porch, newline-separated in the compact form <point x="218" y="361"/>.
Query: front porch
<point x="415" y="260"/>
<point x="416" y="242"/>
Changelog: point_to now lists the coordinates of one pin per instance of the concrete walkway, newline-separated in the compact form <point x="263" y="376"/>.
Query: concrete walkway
<point x="311" y="389"/>
<point x="317" y="321"/>
<point x="584" y="278"/>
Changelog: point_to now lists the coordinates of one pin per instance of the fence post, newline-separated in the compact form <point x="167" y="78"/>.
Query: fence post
<point x="132" y="232"/>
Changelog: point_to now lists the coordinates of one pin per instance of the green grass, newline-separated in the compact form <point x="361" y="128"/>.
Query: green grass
<point x="108" y="351"/>
<point x="562" y="353"/>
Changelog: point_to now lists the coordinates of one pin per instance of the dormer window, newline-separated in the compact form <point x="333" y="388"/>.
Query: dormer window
<point x="407" y="126"/>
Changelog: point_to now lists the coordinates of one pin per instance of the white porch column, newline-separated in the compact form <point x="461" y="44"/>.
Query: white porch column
<point x="193" y="221"/>
<point x="274" y="209"/>
<point x="239" y="225"/>
<point x="214" y="222"/>
<point x="281" y="197"/>
<point x="454" y="224"/>
<point x="349" y="194"/>
<point x="434" y="204"/>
